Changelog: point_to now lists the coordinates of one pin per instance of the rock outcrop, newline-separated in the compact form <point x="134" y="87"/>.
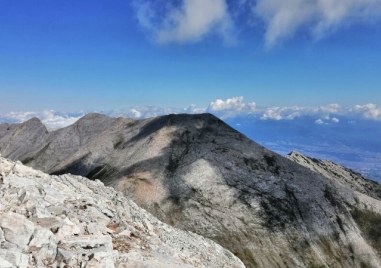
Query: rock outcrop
<point x="70" y="221"/>
<point x="198" y="174"/>
<point x="338" y="173"/>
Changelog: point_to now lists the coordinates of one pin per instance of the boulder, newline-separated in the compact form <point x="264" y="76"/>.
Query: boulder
<point x="17" y="228"/>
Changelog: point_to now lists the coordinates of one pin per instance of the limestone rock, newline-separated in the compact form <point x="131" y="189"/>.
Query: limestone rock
<point x="15" y="257"/>
<point x="5" y="264"/>
<point x="70" y="221"/>
<point x="17" y="228"/>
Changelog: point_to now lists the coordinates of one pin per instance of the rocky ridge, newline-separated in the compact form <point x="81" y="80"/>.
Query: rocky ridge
<point x="70" y="221"/>
<point x="338" y="173"/>
<point x="196" y="173"/>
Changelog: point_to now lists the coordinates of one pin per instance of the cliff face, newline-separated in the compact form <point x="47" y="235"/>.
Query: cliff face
<point x="198" y="174"/>
<point x="70" y="221"/>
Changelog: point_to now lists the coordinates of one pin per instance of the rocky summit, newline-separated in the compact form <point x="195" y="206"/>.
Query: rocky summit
<point x="70" y="221"/>
<point x="198" y="174"/>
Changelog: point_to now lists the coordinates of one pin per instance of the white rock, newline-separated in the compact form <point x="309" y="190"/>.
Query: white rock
<point x="125" y="233"/>
<point x="29" y="193"/>
<point x="16" y="258"/>
<point x="101" y="259"/>
<point x="41" y="237"/>
<point x="149" y="227"/>
<point x="98" y="216"/>
<point x="65" y="256"/>
<point x="68" y="228"/>
<point x="75" y="230"/>
<point x="45" y="256"/>
<point x="53" y="196"/>
<point x="40" y="212"/>
<point x="108" y="213"/>
<point x="99" y="242"/>
<point x="17" y="229"/>
<point x="5" y="264"/>
<point x="94" y="228"/>
<point x="2" y="238"/>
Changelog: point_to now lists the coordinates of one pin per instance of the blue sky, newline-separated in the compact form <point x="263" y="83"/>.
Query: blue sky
<point x="72" y="55"/>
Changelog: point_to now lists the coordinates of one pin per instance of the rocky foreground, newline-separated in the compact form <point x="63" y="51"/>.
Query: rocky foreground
<point x="70" y="221"/>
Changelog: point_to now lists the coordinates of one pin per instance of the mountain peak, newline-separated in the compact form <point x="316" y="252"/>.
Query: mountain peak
<point x="34" y="121"/>
<point x="92" y="116"/>
<point x="294" y="153"/>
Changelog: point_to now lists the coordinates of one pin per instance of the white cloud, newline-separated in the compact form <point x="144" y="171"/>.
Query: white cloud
<point x="235" y="103"/>
<point x="51" y="119"/>
<point x="55" y="120"/>
<point x="231" y="107"/>
<point x="335" y="120"/>
<point x="135" y="113"/>
<point x="273" y="113"/>
<point x="327" y="120"/>
<point x="193" y="109"/>
<point x="184" y="21"/>
<point x="227" y="108"/>
<point x="369" y="111"/>
<point x="330" y="108"/>
<point x="142" y="112"/>
<point x="189" y="21"/>
<point x="283" y="113"/>
<point x="326" y="114"/>
<point x="283" y="18"/>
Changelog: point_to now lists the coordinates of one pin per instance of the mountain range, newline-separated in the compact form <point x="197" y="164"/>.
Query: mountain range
<point x="198" y="174"/>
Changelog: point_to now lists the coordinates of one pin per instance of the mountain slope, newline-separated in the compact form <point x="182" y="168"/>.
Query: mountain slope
<point x="20" y="139"/>
<point x="198" y="174"/>
<point x="68" y="221"/>
<point x="338" y="173"/>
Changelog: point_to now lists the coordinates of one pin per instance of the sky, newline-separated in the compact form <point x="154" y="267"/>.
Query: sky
<point x="85" y="55"/>
<point x="287" y="73"/>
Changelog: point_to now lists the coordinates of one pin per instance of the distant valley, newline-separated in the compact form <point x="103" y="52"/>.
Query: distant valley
<point x="354" y="144"/>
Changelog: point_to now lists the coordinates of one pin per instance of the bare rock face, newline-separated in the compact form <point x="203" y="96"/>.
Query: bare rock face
<point x="70" y="221"/>
<point x="196" y="173"/>
<point x="17" y="229"/>
<point x="338" y="173"/>
<point x="31" y="135"/>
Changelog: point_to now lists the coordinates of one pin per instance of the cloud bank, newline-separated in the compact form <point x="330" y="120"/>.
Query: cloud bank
<point x="231" y="107"/>
<point x="223" y="108"/>
<point x="370" y="111"/>
<point x="191" y="20"/>
<point x="52" y="119"/>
